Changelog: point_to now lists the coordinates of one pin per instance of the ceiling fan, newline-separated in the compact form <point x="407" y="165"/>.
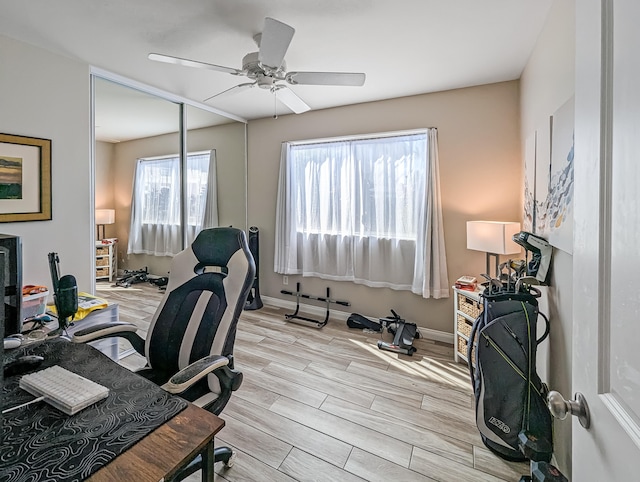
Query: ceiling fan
<point x="267" y="68"/>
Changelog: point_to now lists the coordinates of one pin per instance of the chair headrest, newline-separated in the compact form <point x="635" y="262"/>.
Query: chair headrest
<point x="215" y="246"/>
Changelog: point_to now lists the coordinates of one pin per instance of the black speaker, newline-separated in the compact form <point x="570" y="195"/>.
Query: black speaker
<point x="11" y="246"/>
<point x="253" y="300"/>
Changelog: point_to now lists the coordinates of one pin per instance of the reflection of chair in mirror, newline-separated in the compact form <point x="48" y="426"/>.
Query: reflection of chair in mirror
<point x="190" y="341"/>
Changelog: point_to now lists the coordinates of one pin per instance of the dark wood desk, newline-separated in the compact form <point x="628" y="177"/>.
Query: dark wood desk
<point x="111" y="440"/>
<point x="166" y="449"/>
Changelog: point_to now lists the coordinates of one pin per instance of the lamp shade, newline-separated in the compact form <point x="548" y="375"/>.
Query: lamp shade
<point x="494" y="237"/>
<point x="105" y="216"/>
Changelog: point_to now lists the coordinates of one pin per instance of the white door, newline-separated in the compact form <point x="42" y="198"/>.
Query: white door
<point x="606" y="260"/>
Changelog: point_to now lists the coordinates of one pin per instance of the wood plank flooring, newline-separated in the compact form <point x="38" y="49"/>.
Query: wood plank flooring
<point x="328" y="405"/>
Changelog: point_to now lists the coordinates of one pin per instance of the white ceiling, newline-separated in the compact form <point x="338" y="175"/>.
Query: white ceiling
<point x="123" y="113"/>
<point x="405" y="47"/>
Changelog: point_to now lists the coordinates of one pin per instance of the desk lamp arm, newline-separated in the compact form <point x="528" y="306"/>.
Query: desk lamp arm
<point x="119" y="329"/>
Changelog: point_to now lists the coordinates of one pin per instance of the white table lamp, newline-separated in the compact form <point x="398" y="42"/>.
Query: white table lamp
<point x="104" y="216"/>
<point x="494" y="238"/>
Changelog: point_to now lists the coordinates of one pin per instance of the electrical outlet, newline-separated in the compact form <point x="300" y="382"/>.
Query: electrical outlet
<point x="285" y="280"/>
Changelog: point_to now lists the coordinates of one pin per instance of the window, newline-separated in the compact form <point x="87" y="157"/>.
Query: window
<point x="362" y="210"/>
<point x="157" y="203"/>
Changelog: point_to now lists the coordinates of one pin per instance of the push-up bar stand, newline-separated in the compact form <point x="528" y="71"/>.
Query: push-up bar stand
<point x="295" y="317"/>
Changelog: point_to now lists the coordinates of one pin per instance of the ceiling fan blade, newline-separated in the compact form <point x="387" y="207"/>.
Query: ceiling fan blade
<point x="193" y="63"/>
<point x="326" y="78"/>
<point x="291" y="100"/>
<point x="233" y="90"/>
<point x="274" y="42"/>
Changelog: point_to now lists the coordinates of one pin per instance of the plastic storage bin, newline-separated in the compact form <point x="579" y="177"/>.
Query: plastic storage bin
<point x="34" y="305"/>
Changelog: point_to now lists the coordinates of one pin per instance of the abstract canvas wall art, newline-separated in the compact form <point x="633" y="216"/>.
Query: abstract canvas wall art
<point x="559" y="205"/>
<point x="548" y="183"/>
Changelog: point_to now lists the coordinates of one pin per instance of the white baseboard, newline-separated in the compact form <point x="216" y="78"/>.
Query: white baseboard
<point x="320" y="312"/>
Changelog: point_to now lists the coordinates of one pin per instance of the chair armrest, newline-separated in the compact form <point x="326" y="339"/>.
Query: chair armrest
<point x="102" y="330"/>
<point x="190" y="374"/>
<point x="120" y="329"/>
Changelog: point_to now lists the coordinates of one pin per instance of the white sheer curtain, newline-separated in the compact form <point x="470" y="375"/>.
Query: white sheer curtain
<point x="363" y="210"/>
<point x="430" y="275"/>
<point x="156" y="203"/>
<point x="211" y="207"/>
<point x="202" y="194"/>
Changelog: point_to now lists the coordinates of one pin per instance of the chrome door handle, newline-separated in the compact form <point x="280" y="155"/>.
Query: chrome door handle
<point x="560" y="408"/>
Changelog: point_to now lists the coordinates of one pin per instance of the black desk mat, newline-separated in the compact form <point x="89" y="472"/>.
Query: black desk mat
<point x="40" y="443"/>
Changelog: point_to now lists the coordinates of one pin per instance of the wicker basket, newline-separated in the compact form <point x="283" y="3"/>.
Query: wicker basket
<point x="102" y="251"/>
<point x="464" y="326"/>
<point x="468" y="306"/>
<point x="102" y="261"/>
<point x="462" y="348"/>
<point x="102" y="272"/>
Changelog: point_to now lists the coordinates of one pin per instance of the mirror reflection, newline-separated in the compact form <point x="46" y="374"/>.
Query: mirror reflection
<point x="137" y="177"/>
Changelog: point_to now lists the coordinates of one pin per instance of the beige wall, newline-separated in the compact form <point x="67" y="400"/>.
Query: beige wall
<point x="229" y="142"/>
<point x="46" y="95"/>
<point x="480" y="167"/>
<point x="104" y="185"/>
<point x="547" y="82"/>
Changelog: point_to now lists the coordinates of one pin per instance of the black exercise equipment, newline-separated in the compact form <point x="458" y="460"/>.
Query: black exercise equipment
<point x="361" y="322"/>
<point x="159" y="281"/>
<point x="133" y="276"/>
<point x="297" y="318"/>
<point x="403" y="335"/>
<point x="253" y="300"/>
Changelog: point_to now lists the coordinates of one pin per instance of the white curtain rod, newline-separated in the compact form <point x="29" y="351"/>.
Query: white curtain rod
<point x="361" y="136"/>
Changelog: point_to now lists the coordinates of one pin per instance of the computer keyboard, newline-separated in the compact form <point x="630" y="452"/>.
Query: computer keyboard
<point x="63" y="389"/>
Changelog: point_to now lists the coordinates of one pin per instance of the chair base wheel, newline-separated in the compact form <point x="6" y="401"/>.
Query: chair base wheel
<point x="220" y="454"/>
<point x="224" y="455"/>
<point x="232" y="460"/>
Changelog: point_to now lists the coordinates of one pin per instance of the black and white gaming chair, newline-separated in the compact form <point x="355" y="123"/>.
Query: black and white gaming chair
<point x="189" y="344"/>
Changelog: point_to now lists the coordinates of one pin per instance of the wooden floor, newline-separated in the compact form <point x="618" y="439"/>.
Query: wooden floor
<point x="328" y="405"/>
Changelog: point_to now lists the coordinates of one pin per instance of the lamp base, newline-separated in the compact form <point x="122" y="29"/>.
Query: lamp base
<point x="100" y="238"/>
<point x="496" y="271"/>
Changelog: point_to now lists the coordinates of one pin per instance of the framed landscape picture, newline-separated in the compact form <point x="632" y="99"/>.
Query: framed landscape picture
<point x="25" y="178"/>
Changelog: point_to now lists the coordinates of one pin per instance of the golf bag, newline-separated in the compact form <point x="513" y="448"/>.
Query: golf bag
<point x="511" y="410"/>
